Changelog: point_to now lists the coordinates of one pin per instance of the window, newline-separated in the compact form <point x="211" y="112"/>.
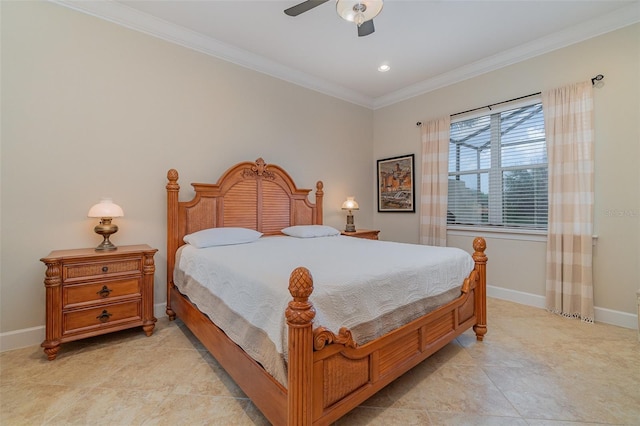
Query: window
<point x="498" y="170"/>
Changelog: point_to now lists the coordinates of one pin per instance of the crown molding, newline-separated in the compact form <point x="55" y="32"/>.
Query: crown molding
<point x="138" y="21"/>
<point x="584" y="31"/>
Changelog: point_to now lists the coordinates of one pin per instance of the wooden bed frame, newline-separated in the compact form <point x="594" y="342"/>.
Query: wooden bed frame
<point x="328" y="374"/>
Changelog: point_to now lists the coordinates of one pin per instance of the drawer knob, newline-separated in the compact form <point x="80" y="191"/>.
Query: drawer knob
<point x="104" y="292"/>
<point x="104" y="316"/>
<point x="105" y="269"/>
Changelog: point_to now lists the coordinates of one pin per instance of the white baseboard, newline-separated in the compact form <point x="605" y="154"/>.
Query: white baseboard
<point x="603" y="315"/>
<point x="621" y="319"/>
<point x="516" y="296"/>
<point x="35" y="335"/>
<point x="21" y="338"/>
<point x="160" y="310"/>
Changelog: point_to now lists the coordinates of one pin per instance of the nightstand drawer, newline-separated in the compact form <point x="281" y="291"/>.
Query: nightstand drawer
<point x="85" y="271"/>
<point x="106" y="315"/>
<point x="103" y="291"/>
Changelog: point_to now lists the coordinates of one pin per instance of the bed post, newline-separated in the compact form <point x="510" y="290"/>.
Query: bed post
<point x="479" y="246"/>
<point x="300" y="314"/>
<point x="172" y="233"/>
<point x="319" y="195"/>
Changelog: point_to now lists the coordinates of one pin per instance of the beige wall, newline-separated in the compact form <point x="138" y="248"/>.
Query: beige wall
<point x="91" y="109"/>
<point x="519" y="265"/>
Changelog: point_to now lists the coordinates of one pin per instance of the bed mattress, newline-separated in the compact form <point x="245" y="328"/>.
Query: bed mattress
<point x="370" y="287"/>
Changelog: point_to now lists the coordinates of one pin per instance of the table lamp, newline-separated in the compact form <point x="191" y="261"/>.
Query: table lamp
<point x="106" y="210"/>
<point x="350" y="205"/>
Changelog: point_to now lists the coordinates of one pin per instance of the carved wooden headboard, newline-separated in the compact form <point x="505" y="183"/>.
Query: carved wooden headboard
<point x="252" y="195"/>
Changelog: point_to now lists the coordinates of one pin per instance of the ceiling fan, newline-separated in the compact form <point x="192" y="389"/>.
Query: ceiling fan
<point x="360" y="12"/>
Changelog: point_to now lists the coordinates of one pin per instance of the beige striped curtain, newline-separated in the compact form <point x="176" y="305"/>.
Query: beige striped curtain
<point x="434" y="185"/>
<point x="568" y="115"/>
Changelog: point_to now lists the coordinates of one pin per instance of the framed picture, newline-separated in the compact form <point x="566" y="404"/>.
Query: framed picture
<point x="396" y="184"/>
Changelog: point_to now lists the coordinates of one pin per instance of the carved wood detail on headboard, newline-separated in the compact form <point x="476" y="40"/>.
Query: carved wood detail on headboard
<point x="259" y="170"/>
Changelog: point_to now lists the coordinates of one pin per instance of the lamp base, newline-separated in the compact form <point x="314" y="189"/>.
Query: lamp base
<point x="351" y="227"/>
<point x="106" y="245"/>
<point x="106" y="228"/>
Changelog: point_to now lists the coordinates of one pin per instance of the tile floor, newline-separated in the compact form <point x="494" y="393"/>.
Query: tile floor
<point x="533" y="368"/>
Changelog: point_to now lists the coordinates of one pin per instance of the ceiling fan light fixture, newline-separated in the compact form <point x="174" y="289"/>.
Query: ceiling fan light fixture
<point x="358" y="11"/>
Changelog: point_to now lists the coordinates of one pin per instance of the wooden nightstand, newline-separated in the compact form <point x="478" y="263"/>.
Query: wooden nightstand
<point x="91" y="293"/>
<point x="369" y="234"/>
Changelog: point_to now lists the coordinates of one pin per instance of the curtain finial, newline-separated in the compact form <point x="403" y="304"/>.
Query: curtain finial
<point x="597" y="78"/>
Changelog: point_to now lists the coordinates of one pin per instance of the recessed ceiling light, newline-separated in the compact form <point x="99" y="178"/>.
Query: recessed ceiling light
<point x="384" y="68"/>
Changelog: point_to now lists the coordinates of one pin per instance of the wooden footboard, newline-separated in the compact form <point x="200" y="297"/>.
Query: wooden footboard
<point x="329" y="375"/>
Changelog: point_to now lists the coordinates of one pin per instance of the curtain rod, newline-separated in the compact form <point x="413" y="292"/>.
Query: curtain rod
<point x="598" y="77"/>
<point x="496" y="104"/>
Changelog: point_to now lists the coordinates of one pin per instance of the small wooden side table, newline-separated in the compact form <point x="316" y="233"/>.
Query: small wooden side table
<point x="93" y="292"/>
<point x="369" y="234"/>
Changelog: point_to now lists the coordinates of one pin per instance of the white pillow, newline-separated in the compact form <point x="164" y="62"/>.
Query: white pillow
<point x="221" y="237"/>
<point x="310" y="231"/>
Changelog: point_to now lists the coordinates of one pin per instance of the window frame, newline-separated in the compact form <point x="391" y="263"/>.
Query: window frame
<point x="495" y="209"/>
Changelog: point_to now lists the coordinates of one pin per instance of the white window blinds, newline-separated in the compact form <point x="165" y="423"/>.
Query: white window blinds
<point x="498" y="170"/>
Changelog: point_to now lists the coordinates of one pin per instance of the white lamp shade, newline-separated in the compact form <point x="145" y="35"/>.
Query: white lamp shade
<point x="366" y="9"/>
<point x="350" y="204"/>
<point x="105" y="208"/>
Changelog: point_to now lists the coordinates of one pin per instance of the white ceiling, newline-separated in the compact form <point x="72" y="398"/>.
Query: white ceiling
<point x="428" y="44"/>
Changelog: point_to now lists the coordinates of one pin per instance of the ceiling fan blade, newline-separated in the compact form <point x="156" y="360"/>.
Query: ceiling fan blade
<point x="303" y="7"/>
<point x="366" y="28"/>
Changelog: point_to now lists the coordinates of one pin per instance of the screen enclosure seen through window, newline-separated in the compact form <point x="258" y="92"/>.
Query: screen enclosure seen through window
<point x="498" y="170"/>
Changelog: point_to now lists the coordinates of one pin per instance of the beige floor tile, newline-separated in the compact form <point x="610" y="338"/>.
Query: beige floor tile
<point x="460" y="419"/>
<point x="454" y="389"/>
<point x="179" y="336"/>
<point x="208" y="378"/>
<point x="384" y="417"/>
<point x="536" y="394"/>
<point x="499" y="349"/>
<point x="22" y="365"/>
<point x="107" y="406"/>
<point x="538" y="422"/>
<point x="155" y="370"/>
<point x="32" y="404"/>
<point x="200" y="410"/>
<point x="533" y="368"/>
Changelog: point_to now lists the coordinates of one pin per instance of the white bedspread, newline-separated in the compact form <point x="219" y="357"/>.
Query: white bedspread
<point x="355" y="281"/>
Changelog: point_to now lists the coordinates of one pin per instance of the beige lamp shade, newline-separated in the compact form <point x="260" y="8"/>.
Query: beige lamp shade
<point x="105" y="208"/>
<point x="350" y="204"/>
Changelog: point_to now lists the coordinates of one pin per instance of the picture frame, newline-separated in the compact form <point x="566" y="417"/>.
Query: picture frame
<point x="396" y="184"/>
